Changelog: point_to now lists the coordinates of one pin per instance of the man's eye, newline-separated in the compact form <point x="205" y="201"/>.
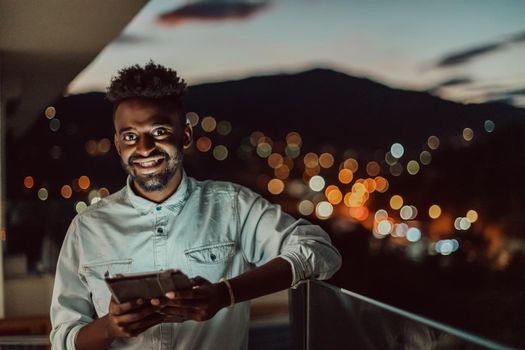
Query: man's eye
<point x="159" y="132"/>
<point x="129" y="137"/>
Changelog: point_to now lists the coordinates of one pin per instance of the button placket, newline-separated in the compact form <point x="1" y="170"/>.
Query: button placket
<point x="160" y="238"/>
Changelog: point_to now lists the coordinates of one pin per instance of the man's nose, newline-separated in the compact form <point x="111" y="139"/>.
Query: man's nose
<point x="145" y="145"/>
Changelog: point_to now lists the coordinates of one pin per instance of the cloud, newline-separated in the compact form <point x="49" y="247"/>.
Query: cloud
<point x="461" y="57"/>
<point x="213" y="10"/>
<point x="450" y="82"/>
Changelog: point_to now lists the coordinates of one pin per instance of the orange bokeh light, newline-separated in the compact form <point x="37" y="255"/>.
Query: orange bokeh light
<point x="345" y="176"/>
<point x="84" y="182"/>
<point x="29" y="182"/>
<point x="204" y="144"/>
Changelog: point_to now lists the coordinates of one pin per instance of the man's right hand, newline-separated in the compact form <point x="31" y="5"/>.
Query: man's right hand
<point x="131" y="318"/>
<point x="124" y="320"/>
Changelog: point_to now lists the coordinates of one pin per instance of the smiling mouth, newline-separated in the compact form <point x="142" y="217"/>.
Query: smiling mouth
<point x="148" y="163"/>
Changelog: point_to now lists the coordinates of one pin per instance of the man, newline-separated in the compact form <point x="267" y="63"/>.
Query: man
<point x="235" y="245"/>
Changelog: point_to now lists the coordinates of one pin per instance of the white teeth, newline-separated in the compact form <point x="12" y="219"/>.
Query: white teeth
<point x="149" y="163"/>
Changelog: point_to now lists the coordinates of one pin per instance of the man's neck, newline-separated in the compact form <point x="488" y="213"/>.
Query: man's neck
<point x="162" y="195"/>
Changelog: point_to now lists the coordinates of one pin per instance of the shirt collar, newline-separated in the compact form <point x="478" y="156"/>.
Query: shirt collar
<point x="173" y="202"/>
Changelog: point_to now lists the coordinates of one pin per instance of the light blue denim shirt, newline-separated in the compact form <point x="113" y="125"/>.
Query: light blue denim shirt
<point x="211" y="229"/>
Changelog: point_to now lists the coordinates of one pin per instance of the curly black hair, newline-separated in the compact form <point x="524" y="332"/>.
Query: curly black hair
<point x="153" y="81"/>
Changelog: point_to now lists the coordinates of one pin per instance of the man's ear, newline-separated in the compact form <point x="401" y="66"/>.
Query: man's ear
<point x="117" y="143"/>
<point x="187" y="138"/>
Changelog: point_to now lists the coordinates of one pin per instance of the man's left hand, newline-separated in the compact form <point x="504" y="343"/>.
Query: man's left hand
<point x="199" y="303"/>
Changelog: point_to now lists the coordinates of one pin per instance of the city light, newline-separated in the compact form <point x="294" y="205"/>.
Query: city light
<point x="275" y="186"/>
<point x="192" y="118"/>
<point x="489" y="126"/>
<point x="204" y="144"/>
<point x="66" y="191"/>
<point x="42" y="194"/>
<point x="316" y="183"/>
<point x="84" y="182"/>
<point x="50" y="112"/>
<point x="345" y="176"/>
<point x="29" y="182"/>
<point x="306" y="207"/>
<point x="413" y="234"/>
<point x="468" y="134"/>
<point x="413" y="167"/>
<point x="220" y="152"/>
<point x="397" y="150"/>
<point x="434" y="211"/>
<point x="433" y="142"/>
<point x="396" y="202"/>
<point x="324" y="210"/>
<point x="208" y="124"/>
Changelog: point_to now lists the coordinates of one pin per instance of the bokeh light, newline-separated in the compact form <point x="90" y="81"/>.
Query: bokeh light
<point x="282" y="172"/>
<point x="433" y="142"/>
<point x="192" y="118"/>
<point x="91" y="147"/>
<point x="413" y="234"/>
<point x="434" y="211"/>
<point x="397" y="150"/>
<point x="468" y="134"/>
<point x="29" y="182"/>
<point x="382" y="184"/>
<point x="425" y="157"/>
<point x="324" y="210"/>
<point x="294" y="139"/>
<point x="472" y="216"/>
<point x="316" y="183"/>
<point x="42" y="194"/>
<point x="204" y="144"/>
<point x="311" y="160"/>
<point x="275" y="160"/>
<point x="373" y="168"/>
<point x="208" y="124"/>
<point x="80" y="207"/>
<point x="306" y="207"/>
<point x="326" y="160"/>
<point x="384" y="227"/>
<point x="264" y="150"/>
<point x="396" y="169"/>
<point x="104" y="146"/>
<point x="413" y="167"/>
<point x="103" y="192"/>
<point x="351" y="164"/>
<point x="84" y="182"/>
<point x="54" y="124"/>
<point x="220" y="152"/>
<point x="396" y="202"/>
<point x="489" y="126"/>
<point x="275" y="186"/>
<point x="345" y="176"/>
<point x="224" y="127"/>
<point x="50" y="112"/>
<point x="66" y="191"/>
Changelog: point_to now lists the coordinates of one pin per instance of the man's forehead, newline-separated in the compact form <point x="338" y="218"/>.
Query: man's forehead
<point x="145" y="111"/>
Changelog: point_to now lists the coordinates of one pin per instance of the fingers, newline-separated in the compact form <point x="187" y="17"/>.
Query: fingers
<point x="184" y="313"/>
<point x="119" y="309"/>
<point x="135" y="316"/>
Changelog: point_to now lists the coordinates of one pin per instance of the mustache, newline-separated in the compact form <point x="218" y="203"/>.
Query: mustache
<point x="154" y="153"/>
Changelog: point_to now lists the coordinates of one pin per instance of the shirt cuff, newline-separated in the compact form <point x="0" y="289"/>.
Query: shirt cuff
<point x="300" y="270"/>
<point x="72" y="336"/>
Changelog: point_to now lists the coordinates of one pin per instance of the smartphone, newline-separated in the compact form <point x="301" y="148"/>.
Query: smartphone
<point x="146" y="285"/>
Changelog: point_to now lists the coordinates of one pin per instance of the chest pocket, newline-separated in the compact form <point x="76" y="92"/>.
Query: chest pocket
<point x="95" y="273"/>
<point x="211" y="261"/>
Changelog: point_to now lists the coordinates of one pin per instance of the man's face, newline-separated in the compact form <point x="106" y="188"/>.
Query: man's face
<point x="149" y="141"/>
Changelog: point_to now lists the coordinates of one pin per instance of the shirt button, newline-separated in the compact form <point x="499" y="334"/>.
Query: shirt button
<point x="160" y="230"/>
<point x="159" y="208"/>
<point x="213" y="257"/>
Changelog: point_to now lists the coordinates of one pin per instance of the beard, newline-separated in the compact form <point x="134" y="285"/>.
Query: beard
<point x="155" y="181"/>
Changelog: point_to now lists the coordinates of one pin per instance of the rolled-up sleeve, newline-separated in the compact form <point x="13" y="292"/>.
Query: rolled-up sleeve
<point x="71" y="306"/>
<point x="267" y="232"/>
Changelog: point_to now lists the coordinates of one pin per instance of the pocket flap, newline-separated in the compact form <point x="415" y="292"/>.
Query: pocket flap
<point x="109" y="267"/>
<point x="212" y="253"/>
